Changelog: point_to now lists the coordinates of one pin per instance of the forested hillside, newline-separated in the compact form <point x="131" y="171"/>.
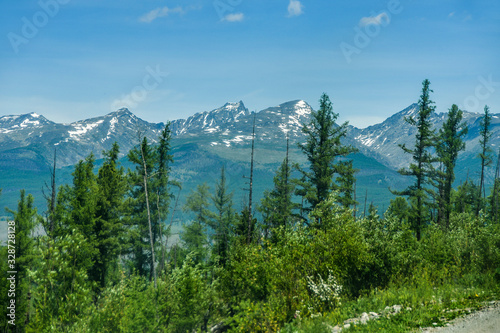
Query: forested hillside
<point x="305" y="257"/>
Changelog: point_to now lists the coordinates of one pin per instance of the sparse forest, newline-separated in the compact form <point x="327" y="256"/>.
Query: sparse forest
<point x="305" y="258"/>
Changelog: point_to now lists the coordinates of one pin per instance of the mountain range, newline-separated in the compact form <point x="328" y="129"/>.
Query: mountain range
<point x="205" y="141"/>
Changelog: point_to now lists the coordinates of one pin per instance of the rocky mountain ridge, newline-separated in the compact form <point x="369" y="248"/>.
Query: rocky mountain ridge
<point x="33" y="137"/>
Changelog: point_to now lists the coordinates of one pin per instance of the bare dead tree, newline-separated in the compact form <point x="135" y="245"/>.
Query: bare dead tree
<point x="249" y="236"/>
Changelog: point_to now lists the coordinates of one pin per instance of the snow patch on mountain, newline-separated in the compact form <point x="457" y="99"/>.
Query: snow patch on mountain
<point x="302" y="108"/>
<point x="8" y="118"/>
<point x="81" y="129"/>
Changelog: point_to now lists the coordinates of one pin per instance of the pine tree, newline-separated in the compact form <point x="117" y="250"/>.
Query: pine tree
<point x="322" y="147"/>
<point x="277" y="205"/>
<point x="142" y="237"/>
<point x="109" y="226"/>
<point x="422" y="168"/>
<point x="250" y="186"/>
<point x="346" y="181"/>
<point x="494" y="199"/>
<point x="224" y="218"/>
<point x="83" y="197"/>
<point x="194" y="235"/>
<point x="77" y="210"/>
<point x="150" y="200"/>
<point x="22" y="240"/>
<point x="243" y="228"/>
<point x="485" y="155"/>
<point x="48" y="223"/>
<point x="449" y="144"/>
<point x="399" y="208"/>
<point x="465" y="198"/>
<point x="161" y="192"/>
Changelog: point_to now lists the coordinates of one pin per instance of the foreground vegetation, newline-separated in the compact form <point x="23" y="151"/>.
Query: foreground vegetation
<point x="309" y="264"/>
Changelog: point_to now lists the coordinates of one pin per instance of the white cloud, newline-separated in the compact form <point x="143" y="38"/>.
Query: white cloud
<point x="236" y="17"/>
<point x="380" y="19"/>
<point x="295" y="8"/>
<point x="451" y="14"/>
<point x="160" y="12"/>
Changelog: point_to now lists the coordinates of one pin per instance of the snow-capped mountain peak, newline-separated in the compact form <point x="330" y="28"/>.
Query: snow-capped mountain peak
<point x="14" y="123"/>
<point x="210" y="121"/>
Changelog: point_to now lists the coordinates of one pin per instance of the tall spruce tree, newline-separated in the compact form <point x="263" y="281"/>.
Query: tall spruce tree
<point x="22" y="242"/>
<point x="109" y="228"/>
<point x="485" y="154"/>
<point x="141" y="235"/>
<point x="83" y="197"/>
<point x="195" y="234"/>
<point x="250" y="185"/>
<point x="464" y="198"/>
<point x="494" y="198"/>
<point x="161" y="189"/>
<point x="449" y="144"/>
<point x="346" y="181"/>
<point x="48" y="223"/>
<point x="78" y="211"/>
<point x="421" y="168"/>
<point x="223" y="218"/>
<point x="277" y="205"/>
<point x="149" y="201"/>
<point x="245" y="225"/>
<point x="322" y="148"/>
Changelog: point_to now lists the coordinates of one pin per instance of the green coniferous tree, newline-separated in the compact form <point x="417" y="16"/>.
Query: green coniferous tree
<point x="109" y="226"/>
<point x="322" y="148"/>
<point x="161" y="189"/>
<point x="48" y="223"/>
<point x="22" y="240"/>
<point x="421" y="168"/>
<point x="83" y="197"/>
<point x="346" y="181"/>
<point x="140" y="238"/>
<point x="485" y="154"/>
<point x="277" y="205"/>
<point x="150" y="199"/>
<point x="449" y="144"/>
<point x="399" y="208"/>
<point x="224" y="218"/>
<point x="77" y="210"/>
<point x="494" y="203"/>
<point x="464" y="198"/>
<point x="241" y="231"/>
<point x="494" y="199"/>
<point x="194" y="235"/>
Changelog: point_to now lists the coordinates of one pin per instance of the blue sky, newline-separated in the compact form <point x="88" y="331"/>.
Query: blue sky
<point x="74" y="59"/>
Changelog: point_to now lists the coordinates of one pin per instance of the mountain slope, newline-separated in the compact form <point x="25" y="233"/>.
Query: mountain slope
<point x="202" y="144"/>
<point x="382" y="141"/>
<point x="207" y="140"/>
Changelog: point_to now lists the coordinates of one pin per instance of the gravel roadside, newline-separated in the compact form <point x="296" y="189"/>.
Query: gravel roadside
<point x="486" y="320"/>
